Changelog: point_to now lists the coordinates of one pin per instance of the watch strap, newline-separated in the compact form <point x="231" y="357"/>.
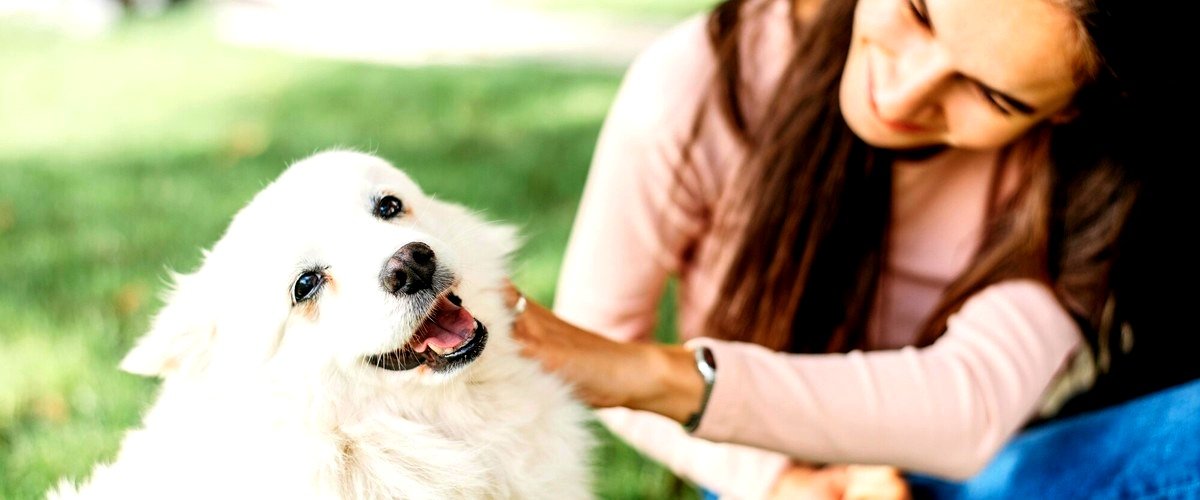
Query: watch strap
<point x="706" y="364"/>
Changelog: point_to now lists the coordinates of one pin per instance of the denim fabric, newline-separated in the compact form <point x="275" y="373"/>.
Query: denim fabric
<point x="1145" y="448"/>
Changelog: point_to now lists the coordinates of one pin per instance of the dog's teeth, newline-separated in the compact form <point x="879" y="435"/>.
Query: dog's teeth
<point x="436" y="349"/>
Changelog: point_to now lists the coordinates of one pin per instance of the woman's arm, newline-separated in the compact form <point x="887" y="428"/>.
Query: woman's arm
<point x="943" y="410"/>
<point x="657" y="378"/>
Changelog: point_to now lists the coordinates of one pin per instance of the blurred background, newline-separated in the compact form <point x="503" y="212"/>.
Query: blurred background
<point x="131" y="131"/>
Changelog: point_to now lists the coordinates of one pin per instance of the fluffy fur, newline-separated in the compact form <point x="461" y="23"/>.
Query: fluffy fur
<point x="261" y="398"/>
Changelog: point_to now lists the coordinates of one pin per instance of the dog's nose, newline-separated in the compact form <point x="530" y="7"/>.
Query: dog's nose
<point x="410" y="269"/>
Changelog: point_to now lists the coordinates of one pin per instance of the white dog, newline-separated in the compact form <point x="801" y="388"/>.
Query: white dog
<point x="347" y="338"/>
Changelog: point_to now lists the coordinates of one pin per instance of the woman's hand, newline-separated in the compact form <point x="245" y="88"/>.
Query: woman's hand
<point x="658" y="378"/>
<point x="847" y="482"/>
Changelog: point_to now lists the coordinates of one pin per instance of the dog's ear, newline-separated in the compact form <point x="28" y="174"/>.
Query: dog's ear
<point x="181" y="334"/>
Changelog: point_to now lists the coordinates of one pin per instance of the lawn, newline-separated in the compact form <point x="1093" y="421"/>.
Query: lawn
<point x="634" y="10"/>
<point x="121" y="158"/>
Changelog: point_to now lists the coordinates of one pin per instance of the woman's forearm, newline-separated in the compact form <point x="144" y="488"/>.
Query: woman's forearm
<point x="674" y="388"/>
<point x="651" y="377"/>
<point x="963" y="396"/>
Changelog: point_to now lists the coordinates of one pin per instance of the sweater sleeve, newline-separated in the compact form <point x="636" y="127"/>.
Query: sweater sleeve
<point x="963" y="396"/>
<point x="635" y="223"/>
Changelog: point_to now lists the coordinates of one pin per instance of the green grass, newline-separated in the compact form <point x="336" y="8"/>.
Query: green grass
<point x="121" y="158"/>
<point x="640" y="10"/>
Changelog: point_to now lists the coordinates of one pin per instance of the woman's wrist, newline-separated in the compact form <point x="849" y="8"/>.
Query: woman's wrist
<point x="674" y="387"/>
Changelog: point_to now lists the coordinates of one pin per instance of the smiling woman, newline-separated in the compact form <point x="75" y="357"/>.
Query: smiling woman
<point x="901" y="230"/>
<point x="978" y="78"/>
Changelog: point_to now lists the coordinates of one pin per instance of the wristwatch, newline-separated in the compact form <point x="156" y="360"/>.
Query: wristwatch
<point x="706" y="364"/>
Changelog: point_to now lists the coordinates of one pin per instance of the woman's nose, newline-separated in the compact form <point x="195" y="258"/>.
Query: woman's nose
<point x="912" y="90"/>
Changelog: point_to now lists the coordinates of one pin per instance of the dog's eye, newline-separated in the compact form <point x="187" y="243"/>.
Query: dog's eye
<point x="306" y="286"/>
<point x="388" y="207"/>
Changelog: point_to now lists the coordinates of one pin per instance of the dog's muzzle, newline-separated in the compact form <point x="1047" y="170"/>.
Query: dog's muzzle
<point x="449" y="338"/>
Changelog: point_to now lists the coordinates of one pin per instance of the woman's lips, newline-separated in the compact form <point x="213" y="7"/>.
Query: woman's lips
<point x="897" y="126"/>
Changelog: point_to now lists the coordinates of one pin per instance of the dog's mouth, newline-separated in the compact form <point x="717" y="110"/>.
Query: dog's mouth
<point x="447" y="339"/>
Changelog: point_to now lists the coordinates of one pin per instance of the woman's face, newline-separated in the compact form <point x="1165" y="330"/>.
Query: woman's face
<point x="963" y="73"/>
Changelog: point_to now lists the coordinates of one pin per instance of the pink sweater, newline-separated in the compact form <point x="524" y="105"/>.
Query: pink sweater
<point x="944" y="409"/>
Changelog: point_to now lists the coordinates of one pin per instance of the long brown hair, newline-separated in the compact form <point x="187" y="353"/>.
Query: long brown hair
<point x="811" y="245"/>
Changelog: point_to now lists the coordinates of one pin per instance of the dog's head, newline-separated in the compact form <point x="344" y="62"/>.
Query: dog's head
<point x="342" y="265"/>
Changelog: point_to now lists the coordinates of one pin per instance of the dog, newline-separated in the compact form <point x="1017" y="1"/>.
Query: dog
<point x="347" y="337"/>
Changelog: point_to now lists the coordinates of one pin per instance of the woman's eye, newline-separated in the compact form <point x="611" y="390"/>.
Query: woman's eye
<point x="306" y="286"/>
<point x="918" y="15"/>
<point x="388" y="207"/>
<point x="994" y="101"/>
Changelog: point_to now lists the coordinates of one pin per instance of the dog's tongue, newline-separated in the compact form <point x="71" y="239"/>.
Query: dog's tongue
<point x="447" y="328"/>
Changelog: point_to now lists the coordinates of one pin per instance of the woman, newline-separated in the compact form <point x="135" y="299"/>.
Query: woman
<point x="894" y="222"/>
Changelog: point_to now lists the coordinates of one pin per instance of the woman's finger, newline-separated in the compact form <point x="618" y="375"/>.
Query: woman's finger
<point x="867" y="482"/>
<point x="511" y="294"/>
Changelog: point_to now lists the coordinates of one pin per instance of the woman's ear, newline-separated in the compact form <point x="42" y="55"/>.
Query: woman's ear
<point x="181" y="336"/>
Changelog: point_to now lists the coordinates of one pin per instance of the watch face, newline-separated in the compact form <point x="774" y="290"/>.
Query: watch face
<point x="708" y="358"/>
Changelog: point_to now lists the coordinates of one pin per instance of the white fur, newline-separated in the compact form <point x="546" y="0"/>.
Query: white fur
<point x="261" y="400"/>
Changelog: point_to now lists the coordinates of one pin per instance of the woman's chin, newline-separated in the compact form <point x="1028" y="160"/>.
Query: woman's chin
<point x="875" y="134"/>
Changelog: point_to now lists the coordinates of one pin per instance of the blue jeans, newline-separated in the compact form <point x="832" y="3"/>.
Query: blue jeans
<point x="1145" y="448"/>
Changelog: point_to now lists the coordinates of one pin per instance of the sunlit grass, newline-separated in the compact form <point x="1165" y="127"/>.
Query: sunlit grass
<point x="121" y="158"/>
<point x="657" y="10"/>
